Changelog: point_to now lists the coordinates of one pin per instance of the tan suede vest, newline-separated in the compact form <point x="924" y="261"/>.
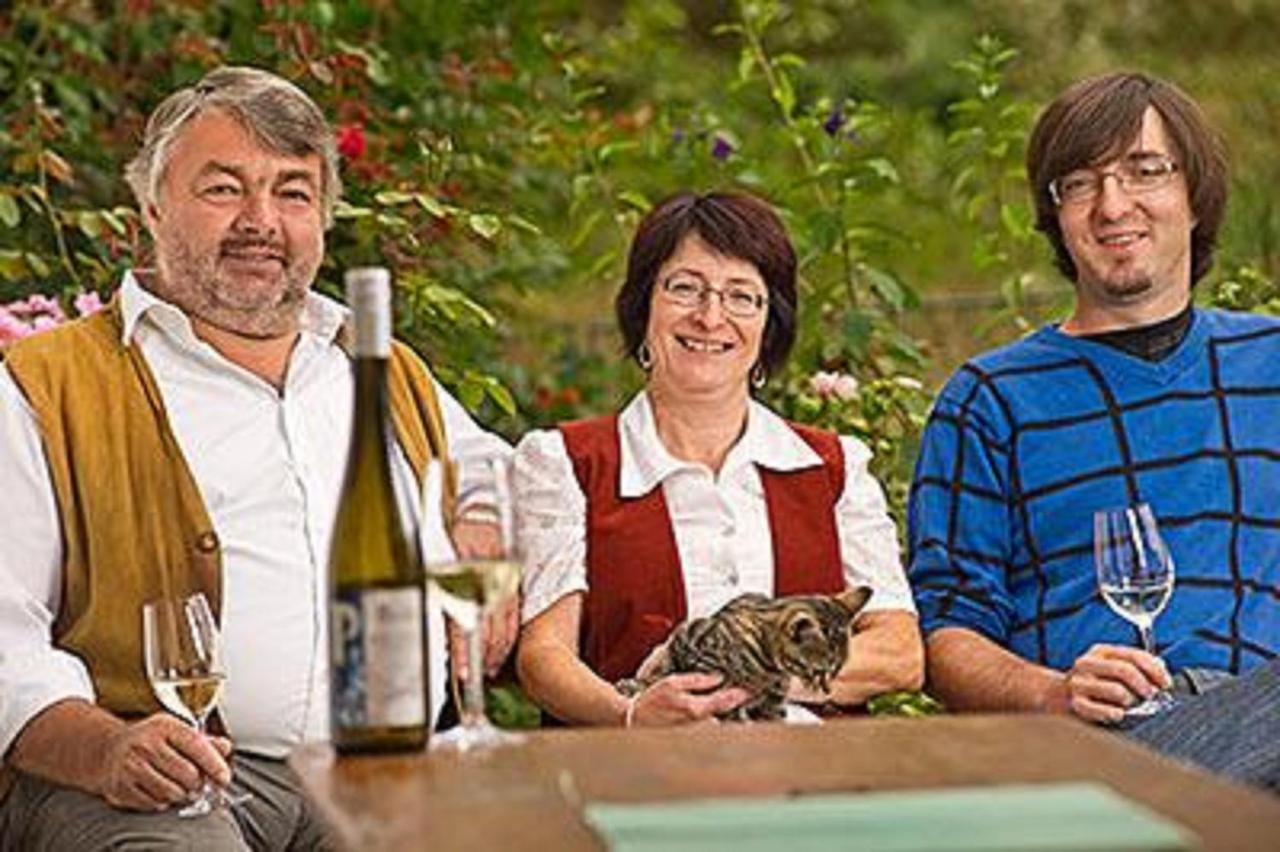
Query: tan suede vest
<point x="134" y="526"/>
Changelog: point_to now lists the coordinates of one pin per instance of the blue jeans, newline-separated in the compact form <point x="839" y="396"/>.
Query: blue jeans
<point x="1227" y="725"/>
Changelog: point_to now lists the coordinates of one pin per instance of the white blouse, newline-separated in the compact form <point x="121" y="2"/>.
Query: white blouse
<point x="721" y="523"/>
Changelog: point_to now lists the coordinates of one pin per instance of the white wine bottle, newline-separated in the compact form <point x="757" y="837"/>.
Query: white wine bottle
<point x="377" y="662"/>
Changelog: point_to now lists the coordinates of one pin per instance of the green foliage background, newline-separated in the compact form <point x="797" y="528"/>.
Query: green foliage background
<point x="510" y="148"/>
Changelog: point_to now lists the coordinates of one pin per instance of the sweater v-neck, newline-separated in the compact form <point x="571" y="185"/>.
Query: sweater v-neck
<point x="1185" y="356"/>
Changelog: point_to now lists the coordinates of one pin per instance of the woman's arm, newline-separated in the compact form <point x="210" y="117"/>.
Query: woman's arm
<point x="886" y="653"/>
<point x="555" y="676"/>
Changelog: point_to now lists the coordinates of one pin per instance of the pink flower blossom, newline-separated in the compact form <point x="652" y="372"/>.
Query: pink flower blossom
<point x="11" y="328"/>
<point x="823" y="383"/>
<point x="38" y="303"/>
<point x="840" y="386"/>
<point x="88" y="303"/>
<point x="846" y="387"/>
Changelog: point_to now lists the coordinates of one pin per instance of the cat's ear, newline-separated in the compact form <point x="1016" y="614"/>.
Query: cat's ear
<point x="854" y="599"/>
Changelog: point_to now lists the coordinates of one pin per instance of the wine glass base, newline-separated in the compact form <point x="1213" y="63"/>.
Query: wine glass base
<point x="477" y="736"/>
<point x="1157" y="703"/>
<point x="214" y="799"/>
<point x="202" y="806"/>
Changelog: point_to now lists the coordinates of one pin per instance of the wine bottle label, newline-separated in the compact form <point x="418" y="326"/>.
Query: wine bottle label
<point x="377" y="658"/>
<point x="369" y="297"/>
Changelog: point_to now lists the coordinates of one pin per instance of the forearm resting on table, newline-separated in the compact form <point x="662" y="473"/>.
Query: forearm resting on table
<point x="67" y="743"/>
<point x="556" y="678"/>
<point x="967" y="671"/>
<point x="885" y="655"/>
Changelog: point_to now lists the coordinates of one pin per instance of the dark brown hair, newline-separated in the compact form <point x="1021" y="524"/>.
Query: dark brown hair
<point x="736" y="225"/>
<point x="1096" y="120"/>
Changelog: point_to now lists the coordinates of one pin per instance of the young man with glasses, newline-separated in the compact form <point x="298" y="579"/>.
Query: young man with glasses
<point x="1136" y="397"/>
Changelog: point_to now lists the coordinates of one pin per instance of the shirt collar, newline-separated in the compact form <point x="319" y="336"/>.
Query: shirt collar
<point x="322" y="317"/>
<point x="644" y="461"/>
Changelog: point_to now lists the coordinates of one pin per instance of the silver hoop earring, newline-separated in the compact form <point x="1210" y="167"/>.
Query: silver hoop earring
<point x="758" y="376"/>
<point x="644" y="357"/>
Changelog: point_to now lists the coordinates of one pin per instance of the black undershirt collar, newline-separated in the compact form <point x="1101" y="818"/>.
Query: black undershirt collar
<point x="1149" y="342"/>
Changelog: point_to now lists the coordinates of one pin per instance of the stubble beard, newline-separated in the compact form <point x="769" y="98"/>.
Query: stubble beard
<point x="256" y="309"/>
<point x="1128" y="287"/>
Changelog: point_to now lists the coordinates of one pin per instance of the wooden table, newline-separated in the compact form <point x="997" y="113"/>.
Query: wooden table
<point x="527" y="797"/>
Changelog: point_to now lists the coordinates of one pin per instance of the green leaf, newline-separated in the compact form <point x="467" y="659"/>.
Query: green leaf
<point x="37" y="264"/>
<point x="390" y="198"/>
<point x="882" y="169"/>
<point x="523" y="224"/>
<point x="486" y="225"/>
<point x="10" y="213"/>
<point x="784" y="94"/>
<point x="501" y="396"/>
<point x="13" y="266"/>
<point x="430" y="205"/>
<point x="914" y="704"/>
<point x="636" y="200"/>
<point x="112" y="220"/>
<point x="886" y="286"/>
<point x="345" y="210"/>
<point x="606" y="151"/>
<point x="88" y="222"/>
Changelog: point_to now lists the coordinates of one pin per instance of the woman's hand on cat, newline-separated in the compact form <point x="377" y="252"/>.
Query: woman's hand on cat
<point x="802" y="693"/>
<point x="679" y="699"/>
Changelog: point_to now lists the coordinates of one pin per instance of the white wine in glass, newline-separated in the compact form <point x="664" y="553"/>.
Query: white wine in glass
<point x="1135" y="576"/>
<point x="183" y="656"/>
<point x="468" y="591"/>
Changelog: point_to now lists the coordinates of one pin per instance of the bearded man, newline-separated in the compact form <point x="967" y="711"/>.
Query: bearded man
<point x="1137" y="397"/>
<point x="199" y="427"/>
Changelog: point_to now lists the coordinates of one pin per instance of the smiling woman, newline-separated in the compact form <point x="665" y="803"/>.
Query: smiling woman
<point x="696" y="494"/>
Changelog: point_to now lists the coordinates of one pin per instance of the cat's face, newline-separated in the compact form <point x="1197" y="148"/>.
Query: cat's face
<point x="813" y="631"/>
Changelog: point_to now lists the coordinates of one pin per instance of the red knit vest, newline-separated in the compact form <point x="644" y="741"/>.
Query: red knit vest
<point x="635" y="594"/>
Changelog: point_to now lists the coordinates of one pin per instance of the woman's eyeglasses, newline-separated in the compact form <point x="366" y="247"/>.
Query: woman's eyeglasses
<point x="738" y="300"/>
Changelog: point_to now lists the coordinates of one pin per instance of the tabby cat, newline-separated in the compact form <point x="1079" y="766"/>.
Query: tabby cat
<point x="759" y="643"/>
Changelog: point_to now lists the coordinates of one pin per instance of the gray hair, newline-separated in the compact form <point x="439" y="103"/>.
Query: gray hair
<point x="276" y="112"/>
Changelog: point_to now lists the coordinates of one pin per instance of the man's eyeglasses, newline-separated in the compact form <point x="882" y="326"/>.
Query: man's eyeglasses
<point x="1136" y="174"/>
<point x="738" y="300"/>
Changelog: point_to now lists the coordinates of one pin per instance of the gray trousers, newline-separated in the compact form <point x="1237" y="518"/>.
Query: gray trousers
<point x="38" y="816"/>
<point x="1227" y="725"/>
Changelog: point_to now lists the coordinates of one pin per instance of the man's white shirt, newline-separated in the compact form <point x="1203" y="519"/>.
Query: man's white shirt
<point x="269" y="466"/>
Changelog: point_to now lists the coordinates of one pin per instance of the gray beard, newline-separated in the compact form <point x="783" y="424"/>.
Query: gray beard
<point x="192" y="283"/>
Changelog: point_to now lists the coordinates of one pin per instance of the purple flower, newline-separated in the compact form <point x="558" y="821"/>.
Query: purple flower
<point x="834" y="122"/>
<point x="677" y="136"/>
<point x="721" y="148"/>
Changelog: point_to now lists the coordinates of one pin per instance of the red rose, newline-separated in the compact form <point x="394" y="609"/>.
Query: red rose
<point x="351" y="141"/>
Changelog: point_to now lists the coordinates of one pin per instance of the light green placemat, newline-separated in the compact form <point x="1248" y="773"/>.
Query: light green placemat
<point x="1058" y="817"/>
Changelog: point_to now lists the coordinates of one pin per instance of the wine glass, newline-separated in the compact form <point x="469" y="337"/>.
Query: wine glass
<point x="469" y="591"/>
<point x="184" y="663"/>
<point x="1135" y="576"/>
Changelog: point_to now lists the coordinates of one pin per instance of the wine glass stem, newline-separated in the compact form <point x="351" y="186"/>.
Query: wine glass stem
<point x="473" y="691"/>
<point x="1147" y="631"/>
